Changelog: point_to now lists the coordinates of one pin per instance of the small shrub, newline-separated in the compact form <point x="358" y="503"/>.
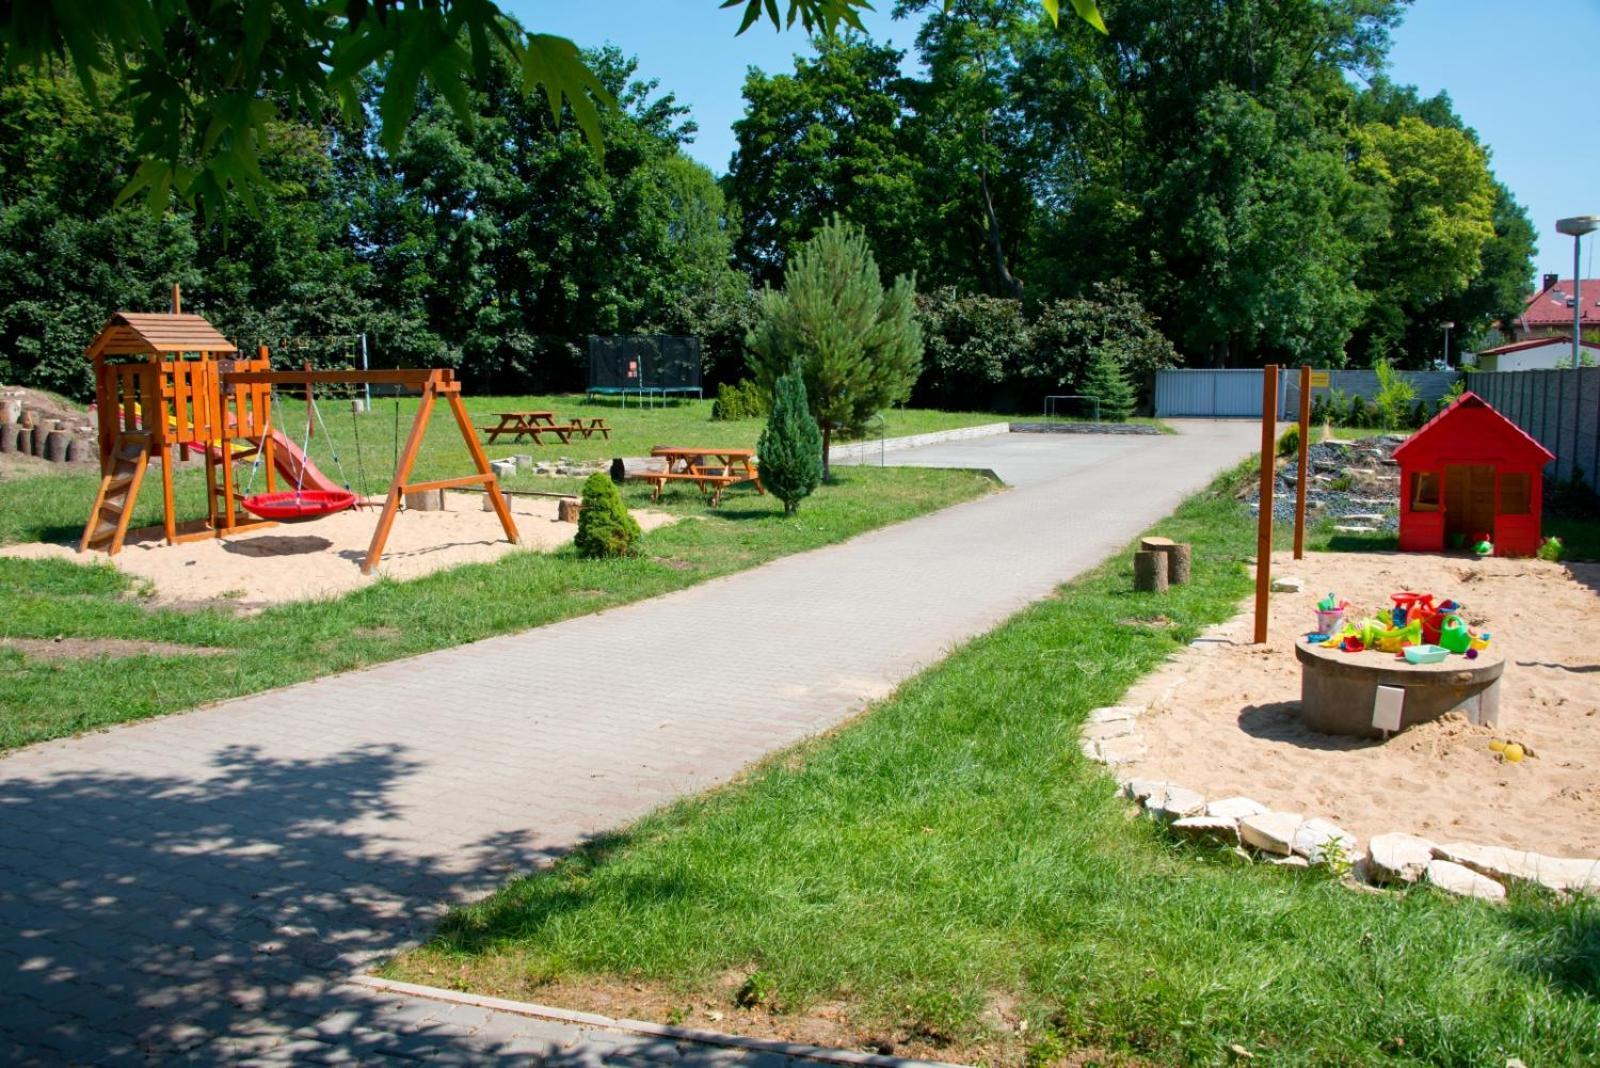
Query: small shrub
<point x="790" y="448"/>
<point x="1419" y="415"/>
<point x="740" y="400"/>
<point x="1358" y="414"/>
<point x="1289" y="443"/>
<point x="604" y="526"/>
<point x="1394" y="399"/>
<point x="1341" y="483"/>
<point x="759" y="989"/>
<point x="1108" y="384"/>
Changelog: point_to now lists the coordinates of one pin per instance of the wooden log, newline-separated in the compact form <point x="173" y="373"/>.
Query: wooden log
<point x="1150" y="572"/>
<point x="567" y="509"/>
<point x="9" y="433"/>
<point x="10" y="410"/>
<point x="24" y="440"/>
<point x="55" y="446"/>
<point x="78" y="449"/>
<point x="626" y="467"/>
<point x="1178" y="556"/>
<point x="428" y="500"/>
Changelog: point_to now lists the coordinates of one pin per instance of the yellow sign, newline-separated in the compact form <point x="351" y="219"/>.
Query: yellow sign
<point x="1319" y="378"/>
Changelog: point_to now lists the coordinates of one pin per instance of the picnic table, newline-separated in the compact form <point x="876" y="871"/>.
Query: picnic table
<point x="712" y="469"/>
<point x="535" y="424"/>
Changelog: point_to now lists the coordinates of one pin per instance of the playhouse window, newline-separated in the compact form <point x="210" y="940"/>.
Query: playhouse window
<point x="1425" y="491"/>
<point x="1515" y="495"/>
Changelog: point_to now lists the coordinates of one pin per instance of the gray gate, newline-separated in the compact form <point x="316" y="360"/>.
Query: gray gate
<point x="1208" y="394"/>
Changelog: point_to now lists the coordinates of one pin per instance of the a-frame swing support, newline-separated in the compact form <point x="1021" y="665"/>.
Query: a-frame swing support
<point x="433" y="383"/>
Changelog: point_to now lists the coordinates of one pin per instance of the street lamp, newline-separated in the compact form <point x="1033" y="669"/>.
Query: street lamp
<point x="1447" y="328"/>
<point x="1577" y="226"/>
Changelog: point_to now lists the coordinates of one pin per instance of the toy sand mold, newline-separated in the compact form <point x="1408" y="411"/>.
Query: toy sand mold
<point x="1339" y="692"/>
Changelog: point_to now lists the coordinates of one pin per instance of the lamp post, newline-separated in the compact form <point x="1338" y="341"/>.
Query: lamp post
<point x="1577" y="226"/>
<point x="1447" y="328"/>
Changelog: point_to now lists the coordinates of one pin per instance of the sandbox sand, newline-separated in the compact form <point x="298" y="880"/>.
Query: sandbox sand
<point x="322" y="558"/>
<point x="1224" y="713"/>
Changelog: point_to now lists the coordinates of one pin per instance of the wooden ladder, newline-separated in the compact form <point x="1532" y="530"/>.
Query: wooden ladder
<point x="108" y="521"/>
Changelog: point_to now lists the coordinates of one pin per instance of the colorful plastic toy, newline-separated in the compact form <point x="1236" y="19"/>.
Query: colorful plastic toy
<point x="1454" y="635"/>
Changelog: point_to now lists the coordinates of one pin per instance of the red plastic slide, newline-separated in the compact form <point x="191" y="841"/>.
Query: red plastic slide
<point x="288" y="459"/>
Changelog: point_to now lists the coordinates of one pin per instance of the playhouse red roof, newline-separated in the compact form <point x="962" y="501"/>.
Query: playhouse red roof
<point x="1550" y="307"/>
<point x="1516" y="438"/>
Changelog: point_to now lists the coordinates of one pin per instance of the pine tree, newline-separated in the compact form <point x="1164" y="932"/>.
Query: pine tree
<point x="1107" y="383"/>
<point x="857" y="344"/>
<point x="604" y="526"/>
<point x="791" y="445"/>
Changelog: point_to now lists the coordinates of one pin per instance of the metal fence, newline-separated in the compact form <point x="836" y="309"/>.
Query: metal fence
<point x="1226" y="394"/>
<point x="1559" y="408"/>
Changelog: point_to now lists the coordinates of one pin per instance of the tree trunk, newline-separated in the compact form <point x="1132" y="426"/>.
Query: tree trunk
<point x="1150" y="572"/>
<point x="827" y="447"/>
<point x="1009" y="283"/>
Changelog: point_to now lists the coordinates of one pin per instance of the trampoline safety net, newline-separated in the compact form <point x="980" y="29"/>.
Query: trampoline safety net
<point x="657" y="363"/>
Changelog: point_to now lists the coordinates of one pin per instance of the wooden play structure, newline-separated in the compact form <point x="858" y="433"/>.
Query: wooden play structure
<point x="1471" y="472"/>
<point x="167" y="385"/>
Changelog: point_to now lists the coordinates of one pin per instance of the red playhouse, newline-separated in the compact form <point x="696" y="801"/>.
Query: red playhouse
<point x="1471" y="472"/>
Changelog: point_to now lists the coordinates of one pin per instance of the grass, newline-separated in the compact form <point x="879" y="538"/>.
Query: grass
<point x="42" y="698"/>
<point x="951" y="855"/>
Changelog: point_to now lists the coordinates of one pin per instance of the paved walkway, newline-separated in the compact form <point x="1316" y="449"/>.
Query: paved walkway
<point x="201" y="884"/>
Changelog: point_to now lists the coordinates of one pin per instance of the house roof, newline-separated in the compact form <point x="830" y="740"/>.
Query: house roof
<point x="1535" y="343"/>
<point x="1549" y="307"/>
<point x="141" y="334"/>
<point x="1466" y="402"/>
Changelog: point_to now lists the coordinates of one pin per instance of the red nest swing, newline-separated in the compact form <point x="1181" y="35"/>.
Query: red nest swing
<point x="293" y="505"/>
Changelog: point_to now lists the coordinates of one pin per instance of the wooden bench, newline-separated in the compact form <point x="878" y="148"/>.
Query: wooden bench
<point x="690" y="465"/>
<point x="590" y="427"/>
<point x="529" y="424"/>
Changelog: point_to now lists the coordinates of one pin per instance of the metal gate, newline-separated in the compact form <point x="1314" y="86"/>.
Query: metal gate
<point x="1209" y="394"/>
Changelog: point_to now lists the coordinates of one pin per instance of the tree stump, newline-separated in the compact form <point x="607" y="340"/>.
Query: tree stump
<point x="1150" y="572"/>
<point x="55" y="446"/>
<point x="8" y="436"/>
<point x="567" y="509"/>
<point x="626" y="467"/>
<point x="25" y="440"/>
<point x="10" y="410"/>
<point x="1177" y="554"/>
<point x="431" y="500"/>
<point x="77" y="449"/>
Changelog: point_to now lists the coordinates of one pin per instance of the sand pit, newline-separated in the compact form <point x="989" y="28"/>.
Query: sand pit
<point x="1223" y="717"/>
<point x="300" y="561"/>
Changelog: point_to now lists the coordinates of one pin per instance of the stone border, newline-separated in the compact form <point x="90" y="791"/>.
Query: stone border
<point x="643" y="1027"/>
<point x="1110" y="736"/>
<point x="1125" y="429"/>
<point x="859" y="452"/>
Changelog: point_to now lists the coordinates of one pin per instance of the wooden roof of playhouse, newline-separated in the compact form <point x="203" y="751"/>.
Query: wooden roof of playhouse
<point x="140" y="334"/>
<point x="1471" y="429"/>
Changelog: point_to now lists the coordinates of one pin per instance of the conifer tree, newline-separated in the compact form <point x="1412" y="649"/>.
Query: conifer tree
<point x="1107" y="383"/>
<point x="604" y="526"/>
<point x="791" y="445"/>
<point x="858" y="345"/>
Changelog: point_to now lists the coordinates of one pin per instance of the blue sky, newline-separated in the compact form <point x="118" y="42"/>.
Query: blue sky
<point x="1501" y="64"/>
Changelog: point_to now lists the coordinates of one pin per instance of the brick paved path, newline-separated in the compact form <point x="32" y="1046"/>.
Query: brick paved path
<point x="201" y="884"/>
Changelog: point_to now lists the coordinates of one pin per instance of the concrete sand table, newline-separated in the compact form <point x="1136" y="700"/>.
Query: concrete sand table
<point x="1337" y="689"/>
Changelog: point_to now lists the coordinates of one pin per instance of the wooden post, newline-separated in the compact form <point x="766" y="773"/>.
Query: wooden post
<point x="177" y="299"/>
<point x="1150" y="571"/>
<point x="480" y="462"/>
<point x="169" y="520"/>
<point x="1305" y="476"/>
<point x="1269" y="422"/>
<point x="391" y="504"/>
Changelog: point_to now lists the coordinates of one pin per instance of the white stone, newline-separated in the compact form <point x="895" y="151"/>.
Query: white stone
<point x="1350" y="528"/>
<point x="1207" y="828"/>
<point x="1560" y="874"/>
<point x="1124" y="750"/>
<point x="1291" y="861"/>
<point x="1174" y="803"/>
<point x="1115" y="714"/>
<point x="1456" y="879"/>
<point x="1288" y="584"/>
<point x="1271" y="832"/>
<point x="1090" y="750"/>
<point x="1398" y="858"/>
<point x="1114" y="729"/>
<point x="1138" y="790"/>
<point x="503" y="468"/>
<point x="1235" y="808"/>
<point x="1312" y="838"/>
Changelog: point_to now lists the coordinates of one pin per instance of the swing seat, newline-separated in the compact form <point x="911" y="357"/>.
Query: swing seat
<point x="298" y="504"/>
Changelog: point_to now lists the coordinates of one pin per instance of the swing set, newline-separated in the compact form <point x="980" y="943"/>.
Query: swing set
<point x="169" y="385"/>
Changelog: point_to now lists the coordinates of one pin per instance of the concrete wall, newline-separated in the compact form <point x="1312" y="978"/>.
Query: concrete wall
<point x="1559" y="408"/>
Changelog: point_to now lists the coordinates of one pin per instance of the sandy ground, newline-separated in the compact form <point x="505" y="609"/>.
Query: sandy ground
<point x="322" y="558"/>
<point x="1224" y="714"/>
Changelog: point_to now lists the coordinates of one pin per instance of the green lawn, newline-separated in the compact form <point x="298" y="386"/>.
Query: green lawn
<point x="950" y="859"/>
<point x="42" y="698"/>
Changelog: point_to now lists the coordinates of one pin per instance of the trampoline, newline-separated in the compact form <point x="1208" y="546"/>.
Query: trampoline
<point x="647" y="367"/>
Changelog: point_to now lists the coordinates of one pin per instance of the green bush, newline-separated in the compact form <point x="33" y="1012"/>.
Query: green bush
<point x="1289" y="443"/>
<point x="1358" y="414"/>
<point x="1395" y="396"/>
<point x="740" y="400"/>
<point x="604" y="526"/>
<point x="790" y="448"/>
<point x="1107" y="383"/>
<point x="1419" y="415"/>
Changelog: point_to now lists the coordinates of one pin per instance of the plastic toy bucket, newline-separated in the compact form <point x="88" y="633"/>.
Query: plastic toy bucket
<point x="1328" y="621"/>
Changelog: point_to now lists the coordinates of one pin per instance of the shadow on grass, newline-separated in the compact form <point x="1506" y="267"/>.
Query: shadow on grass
<point x="1563" y="944"/>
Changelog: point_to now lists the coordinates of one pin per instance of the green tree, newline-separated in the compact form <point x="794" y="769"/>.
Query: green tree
<point x="1068" y="335"/>
<point x="1107" y="383"/>
<point x="857" y="343"/>
<point x="791" y="444"/>
<point x="605" y="529"/>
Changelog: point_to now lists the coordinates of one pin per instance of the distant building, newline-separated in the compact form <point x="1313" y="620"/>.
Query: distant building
<point x="1549" y="311"/>
<point x="1535" y="354"/>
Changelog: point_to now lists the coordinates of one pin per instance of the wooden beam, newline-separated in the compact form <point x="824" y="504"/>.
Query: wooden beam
<point x="1269" y="424"/>
<point x="446" y="483"/>
<point x="402" y="472"/>
<point x="1304" y="476"/>
<point x="481" y="462"/>
<point x="417" y="378"/>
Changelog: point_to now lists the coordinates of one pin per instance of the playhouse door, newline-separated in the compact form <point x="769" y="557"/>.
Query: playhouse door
<point x="1468" y="499"/>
